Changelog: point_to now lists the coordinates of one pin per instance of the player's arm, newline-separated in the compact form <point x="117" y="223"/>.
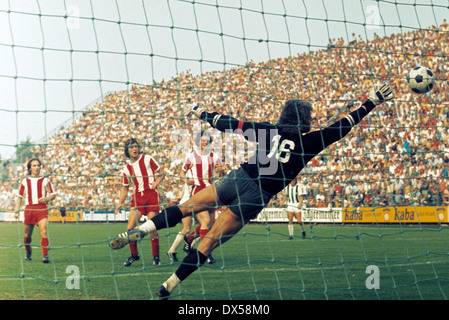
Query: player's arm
<point x="249" y="129"/>
<point x="341" y="128"/>
<point x="51" y="194"/>
<point x="183" y="177"/>
<point x="301" y="200"/>
<point x="226" y="123"/>
<point x="157" y="181"/>
<point x="47" y="199"/>
<point x="183" y="172"/>
<point x="19" y="202"/>
<point x="158" y="171"/>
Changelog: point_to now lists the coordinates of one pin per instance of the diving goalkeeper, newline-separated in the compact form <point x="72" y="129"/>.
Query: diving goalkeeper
<point x="283" y="150"/>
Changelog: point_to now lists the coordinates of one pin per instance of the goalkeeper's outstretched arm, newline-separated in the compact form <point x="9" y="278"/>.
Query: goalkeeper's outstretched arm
<point x="223" y="122"/>
<point x="341" y="128"/>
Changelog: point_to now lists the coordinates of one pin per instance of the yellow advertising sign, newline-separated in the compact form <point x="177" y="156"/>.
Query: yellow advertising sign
<point x="54" y="215"/>
<point x="396" y="215"/>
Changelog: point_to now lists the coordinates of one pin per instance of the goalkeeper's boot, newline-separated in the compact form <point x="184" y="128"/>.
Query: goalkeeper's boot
<point x="210" y="259"/>
<point x="162" y="293"/>
<point x="124" y="238"/>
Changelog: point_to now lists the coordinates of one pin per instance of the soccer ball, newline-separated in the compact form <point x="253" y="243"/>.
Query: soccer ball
<point x="421" y="79"/>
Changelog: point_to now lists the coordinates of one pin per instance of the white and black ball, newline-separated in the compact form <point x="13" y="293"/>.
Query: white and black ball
<point x="421" y="80"/>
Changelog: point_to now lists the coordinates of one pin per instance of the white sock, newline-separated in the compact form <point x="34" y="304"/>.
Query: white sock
<point x="176" y="243"/>
<point x="290" y="229"/>
<point x="171" y="283"/>
<point x="147" y="227"/>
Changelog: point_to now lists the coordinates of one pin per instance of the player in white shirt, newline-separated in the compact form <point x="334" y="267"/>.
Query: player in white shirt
<point x="296" y="198"/>
<point x="37" y="192"/>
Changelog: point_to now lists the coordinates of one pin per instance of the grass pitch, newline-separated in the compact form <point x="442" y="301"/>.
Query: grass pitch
<point x="260" y="263"/>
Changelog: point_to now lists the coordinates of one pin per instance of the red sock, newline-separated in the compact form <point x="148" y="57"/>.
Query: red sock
<point x="203" y="233"/>
<point x="27" y="244"/>
<point x="192" y="235"/>
<point x="44" y="245"/>
<point x="155" y="244"/>
<point x="133" y="248"/>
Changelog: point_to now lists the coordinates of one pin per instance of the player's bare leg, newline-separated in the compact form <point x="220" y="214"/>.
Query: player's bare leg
<point x="27" y="240"/>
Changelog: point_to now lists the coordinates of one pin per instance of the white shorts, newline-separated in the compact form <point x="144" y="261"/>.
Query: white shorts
<point x="293" y="207"/>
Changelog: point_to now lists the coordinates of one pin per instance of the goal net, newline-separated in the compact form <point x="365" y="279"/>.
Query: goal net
<point x="78" y="78"/>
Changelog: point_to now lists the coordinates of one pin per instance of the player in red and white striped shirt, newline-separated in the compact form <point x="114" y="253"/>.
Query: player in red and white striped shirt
<point x="37" y="192"/>
<point x="143" y="172"/>
<point x="204" y="166"/>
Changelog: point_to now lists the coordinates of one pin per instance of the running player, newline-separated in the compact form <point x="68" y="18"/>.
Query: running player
<point x="143" y="171"/>
<point x="37" y="192"/>
<point x="283" y="150"/>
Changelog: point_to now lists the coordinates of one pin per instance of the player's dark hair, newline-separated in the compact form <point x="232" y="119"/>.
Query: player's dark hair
<point x="201" y="134"/>
<point x="128" y="144"/>
<point x="296" y="114"/>
<point x="29" y="164"/>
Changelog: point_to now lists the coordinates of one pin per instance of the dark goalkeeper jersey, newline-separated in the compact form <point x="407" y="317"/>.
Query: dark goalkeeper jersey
<point x="280" y="155"/>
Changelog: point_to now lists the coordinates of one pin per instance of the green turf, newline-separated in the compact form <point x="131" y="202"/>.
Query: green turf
<point x="259" y="263"/>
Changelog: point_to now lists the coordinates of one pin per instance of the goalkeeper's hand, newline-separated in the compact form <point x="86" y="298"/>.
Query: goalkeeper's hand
<point x="194" y="109"/>
<point x="381" y="94"/>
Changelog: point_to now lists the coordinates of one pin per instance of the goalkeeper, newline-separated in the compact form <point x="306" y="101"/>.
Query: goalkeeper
<point x="282" y="152"/>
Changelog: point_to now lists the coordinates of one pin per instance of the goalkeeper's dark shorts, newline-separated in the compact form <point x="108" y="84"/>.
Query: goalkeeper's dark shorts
<point x="241" y="194"/>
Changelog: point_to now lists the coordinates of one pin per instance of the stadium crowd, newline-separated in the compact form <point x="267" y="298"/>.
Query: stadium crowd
<point x="399" y="155"/>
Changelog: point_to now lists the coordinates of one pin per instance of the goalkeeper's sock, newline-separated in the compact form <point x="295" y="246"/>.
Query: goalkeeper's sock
<point x="171" y="283"/>
<point x="167" y="218"/>
<point x="190" y="263"/>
